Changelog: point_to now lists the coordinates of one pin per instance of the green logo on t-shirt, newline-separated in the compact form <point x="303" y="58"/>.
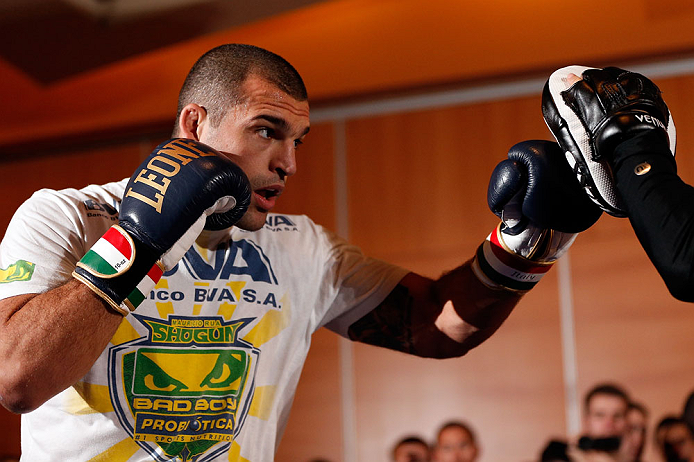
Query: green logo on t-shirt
<point x="184" y="389"/>
<point x="20" y="270"/>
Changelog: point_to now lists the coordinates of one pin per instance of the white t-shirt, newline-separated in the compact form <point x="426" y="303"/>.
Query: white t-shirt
<point x="207" y="367"/>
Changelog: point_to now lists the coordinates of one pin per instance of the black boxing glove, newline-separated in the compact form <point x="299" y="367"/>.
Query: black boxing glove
<point x="591" y="117"/>
<point x="542" y="208"/>
<point x="181" y="188"/>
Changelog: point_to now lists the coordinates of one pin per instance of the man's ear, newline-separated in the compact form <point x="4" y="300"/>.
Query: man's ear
<point x="191" y="121"/>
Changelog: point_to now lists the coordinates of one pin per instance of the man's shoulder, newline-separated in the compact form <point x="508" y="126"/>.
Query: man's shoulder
<point x="109" y="193"/>
<point x="53" y="205"/>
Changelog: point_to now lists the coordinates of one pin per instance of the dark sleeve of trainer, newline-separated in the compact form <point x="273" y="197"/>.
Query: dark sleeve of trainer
<point x="660" y="207"/>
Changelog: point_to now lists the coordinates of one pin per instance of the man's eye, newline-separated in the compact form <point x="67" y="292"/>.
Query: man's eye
<point x="298" y="143"/>
<point x="265" y="132"/>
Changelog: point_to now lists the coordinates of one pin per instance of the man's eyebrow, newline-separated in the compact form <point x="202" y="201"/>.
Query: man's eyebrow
<point x="279" y="122"/>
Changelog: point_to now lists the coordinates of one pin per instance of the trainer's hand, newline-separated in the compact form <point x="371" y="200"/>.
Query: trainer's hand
<point x="182" y="187"/>
<point x="591" y="115"/>
<point x="542" y="208"/>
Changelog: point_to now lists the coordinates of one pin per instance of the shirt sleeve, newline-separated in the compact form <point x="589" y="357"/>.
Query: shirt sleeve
<point x="660" y="207"/>
<point x="359" y="284"/>
<point x="41" y="246"/>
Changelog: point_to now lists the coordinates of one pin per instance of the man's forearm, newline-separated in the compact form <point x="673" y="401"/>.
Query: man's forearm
<point x="49" y="341"/>
<point x="437" y="319"/>
<point x="471" y="312"/>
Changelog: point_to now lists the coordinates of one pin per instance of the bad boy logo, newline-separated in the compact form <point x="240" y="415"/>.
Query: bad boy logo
<point x="185" y="389"/>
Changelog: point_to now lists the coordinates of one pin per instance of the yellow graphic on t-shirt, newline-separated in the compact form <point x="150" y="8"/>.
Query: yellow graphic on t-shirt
<point x="87" y="398"/>
<point x="210" y="372"/>
<point x="272" y="323"/>
<point x="21" y="270"/>
<point x="119" y="452"/>
<point x="263" y="399"/>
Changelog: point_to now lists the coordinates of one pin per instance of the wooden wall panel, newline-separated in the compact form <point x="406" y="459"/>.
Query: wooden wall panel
<point x="421" y="202"/>
<point x="629" y="330"/>
<point x="418" y="181"/>
<point x="10" y="431"/>
<point x="312" y="190"/>
<point x="21" y="177"/>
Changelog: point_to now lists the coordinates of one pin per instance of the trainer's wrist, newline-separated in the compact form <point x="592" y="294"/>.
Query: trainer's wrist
<point x="644" y="145"/>
<point x="621" y="127"/>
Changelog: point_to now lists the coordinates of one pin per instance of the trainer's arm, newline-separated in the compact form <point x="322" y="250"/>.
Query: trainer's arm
<point x="49" y="341"/>
<point x="660" y="207"/>
<point x="436" y="318"/>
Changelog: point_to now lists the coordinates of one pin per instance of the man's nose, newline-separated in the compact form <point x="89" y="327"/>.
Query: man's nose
<point x="284" y="161"/>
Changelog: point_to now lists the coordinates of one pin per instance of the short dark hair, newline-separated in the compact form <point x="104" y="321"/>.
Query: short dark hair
<point x="610" y="389"/>
<point x="410" y="439"/>
<point x="688" y="411"/>
<point x="456" y="424"/>
<point x="215" y="80"/>
<point x="668" y="421"/>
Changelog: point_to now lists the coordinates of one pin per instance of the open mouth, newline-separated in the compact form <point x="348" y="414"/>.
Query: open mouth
<point x="266" y="197"/>
<point x="268" y="193"/>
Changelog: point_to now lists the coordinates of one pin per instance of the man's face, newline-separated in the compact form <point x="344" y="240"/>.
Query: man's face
<point x="455" y="445"/>
<point x="261" y="136"/>
<point x="635" y="433"/>
<point x="605" y="416"/>
<point x="411" y="452"/>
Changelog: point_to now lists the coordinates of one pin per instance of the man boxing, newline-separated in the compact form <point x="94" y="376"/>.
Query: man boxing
<point x="156" y="330"/>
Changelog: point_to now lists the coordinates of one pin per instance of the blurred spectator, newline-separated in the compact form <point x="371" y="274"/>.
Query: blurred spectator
<point x="674" y="439"/>
<point x="688" y="411"/>
<point x="634" y="438"/>
<point x="455" y="442"/>
<point x="605" y="409"/>
<point x="411" y="449"/>
<point x="604" y="427"/>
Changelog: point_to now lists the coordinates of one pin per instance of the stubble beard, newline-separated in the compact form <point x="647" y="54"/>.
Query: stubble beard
<point x="252" y="220"/>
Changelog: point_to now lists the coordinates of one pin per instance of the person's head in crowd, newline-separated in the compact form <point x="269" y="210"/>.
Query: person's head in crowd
<point x="636" y="428"/>
<point x="411" y="449"/>
<point x="674" y="439"/>
<point x="455" y="442"/>
<point x="604" y="411"/>
<point x="688" y="411"/>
